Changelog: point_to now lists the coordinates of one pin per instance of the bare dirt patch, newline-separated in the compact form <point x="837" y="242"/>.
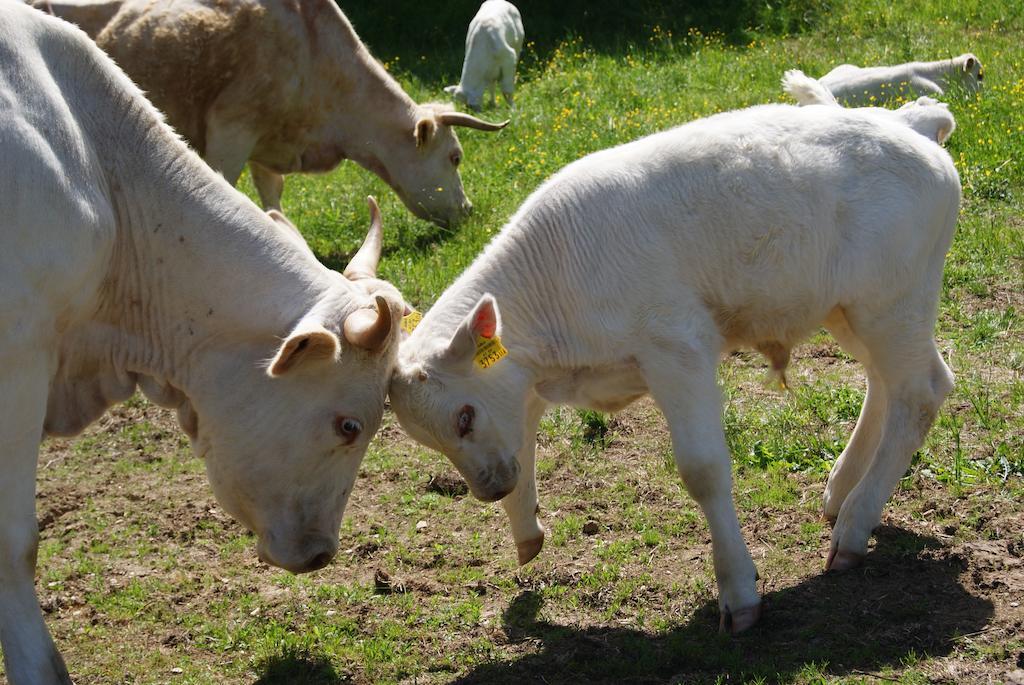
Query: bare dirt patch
<point x="141" y="572"/>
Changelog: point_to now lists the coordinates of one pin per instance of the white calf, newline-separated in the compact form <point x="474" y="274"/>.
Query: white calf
<point x="927" y="116"/>
<point x="493" y="44"/>
<point x="855" y="85"/>
<point x="632" y="270"/>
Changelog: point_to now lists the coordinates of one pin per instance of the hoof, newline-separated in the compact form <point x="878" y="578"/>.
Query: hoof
<point x="528" y="549"/>
<point x="735" y="622"/>
<point x="830" y="519"/>
<point x="842" y="561"/>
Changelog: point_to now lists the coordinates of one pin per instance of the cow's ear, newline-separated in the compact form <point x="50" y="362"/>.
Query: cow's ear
<point x="482" y="322"/>
<point x="282" y="221"/>
<point x="425" y="128"/>
<point x="969" y="64"/>
<point x="303" y="346"/>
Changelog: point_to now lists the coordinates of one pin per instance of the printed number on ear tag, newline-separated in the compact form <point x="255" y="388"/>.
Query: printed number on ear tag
<point x="410" y="321"/>
<point x="488" y="351"/>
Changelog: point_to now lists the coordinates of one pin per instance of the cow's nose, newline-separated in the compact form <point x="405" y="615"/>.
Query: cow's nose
<point x="320" y="551"/>
<point x="501" y="480"/>
<point x="317" y="562"/>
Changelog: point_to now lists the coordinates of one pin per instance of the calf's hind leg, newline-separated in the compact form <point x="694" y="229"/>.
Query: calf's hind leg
<point x="30" y="657"/>
<point x="508" y="74"/>
<point x="682" y="382"/>
<point x="860" y="450"/>
<point x="917" y="381"/>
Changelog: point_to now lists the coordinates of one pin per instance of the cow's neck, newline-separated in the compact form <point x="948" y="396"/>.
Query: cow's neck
<point x="366" y="109"/>
<point x="539" y="325"/>
<point x="196" y="265"/>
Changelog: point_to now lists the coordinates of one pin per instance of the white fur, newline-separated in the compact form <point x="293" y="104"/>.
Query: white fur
<point x="633" y="269"/>
<point x="493" y="44"/>
<point x="855" y="85"/>
<point x="927" y="116"/>
<point x="127" y="261"/>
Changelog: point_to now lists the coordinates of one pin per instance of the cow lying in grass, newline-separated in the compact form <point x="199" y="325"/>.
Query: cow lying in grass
<point x="858" y="86"/>
<point x="493" y="44"/>
<point x="927" y="116"/>
<point x="632" y="270"/>
<point x="128" y="262"/>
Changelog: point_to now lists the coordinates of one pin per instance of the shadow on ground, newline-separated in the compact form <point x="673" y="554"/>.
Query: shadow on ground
<point x="905" y="601"/>
<point x="299" y="668"/>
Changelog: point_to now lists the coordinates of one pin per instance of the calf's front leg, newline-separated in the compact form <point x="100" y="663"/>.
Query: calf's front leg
<point x="682" y="382"/>
<point x="521" y="505"/>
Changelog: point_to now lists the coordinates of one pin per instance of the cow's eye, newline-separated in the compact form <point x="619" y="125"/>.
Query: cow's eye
<point x="347" y="428"/>
<point x="464" y="421"/>
<point x="456" y="157"/>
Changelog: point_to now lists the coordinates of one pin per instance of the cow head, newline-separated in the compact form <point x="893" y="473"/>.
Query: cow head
<point x="464" y="97"/>
<point x="424" y="170"/>
<point x="283" y="424"/>
<point x="474" y="416"/>
<point x="971" y="73"/>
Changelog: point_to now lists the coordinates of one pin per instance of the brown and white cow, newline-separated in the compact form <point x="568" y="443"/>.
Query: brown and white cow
<point x="128" y="262"/>
<point x="287" y="86"/>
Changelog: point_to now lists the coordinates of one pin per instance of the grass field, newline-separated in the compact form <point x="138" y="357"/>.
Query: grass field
<point x="145" y="580"/>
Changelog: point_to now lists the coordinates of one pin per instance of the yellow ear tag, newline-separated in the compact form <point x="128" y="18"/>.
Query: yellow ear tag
<point x="488" y="351"/>
<point x="410" y="321"/>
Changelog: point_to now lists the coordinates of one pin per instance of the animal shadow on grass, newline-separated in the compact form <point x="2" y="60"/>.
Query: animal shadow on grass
<point x="294" y="667"/>
<point x="904" y="601"/>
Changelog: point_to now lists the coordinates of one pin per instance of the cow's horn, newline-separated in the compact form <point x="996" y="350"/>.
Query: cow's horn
<point x="364" y="263"/>
<point x="469" y="121"/>
<point x="369" y="329"/>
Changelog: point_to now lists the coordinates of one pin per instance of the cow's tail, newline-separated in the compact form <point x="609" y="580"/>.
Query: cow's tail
<point x="806" y="90"/>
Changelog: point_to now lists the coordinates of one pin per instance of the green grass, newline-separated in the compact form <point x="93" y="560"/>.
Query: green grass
<point x="575" y="97"/>
<point x="144" y="575"/>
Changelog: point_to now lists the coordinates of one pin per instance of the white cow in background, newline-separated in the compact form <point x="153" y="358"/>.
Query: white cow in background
<point x="927" y="116"/>
<point x="493" y="44"/>
<point x="632" y="271"/>
<point x="128" y="262"/>
<point x="858" y="86"/>
<point x="287" y="86"/>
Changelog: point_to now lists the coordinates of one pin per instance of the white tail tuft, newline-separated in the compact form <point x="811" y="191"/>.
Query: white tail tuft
<point x="806" y="90"/>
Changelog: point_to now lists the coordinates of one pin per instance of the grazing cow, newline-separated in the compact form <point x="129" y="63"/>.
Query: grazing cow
<point x="128" y="262"/>
<point x="633" y="269"/>
<point x="858" y="86"/>
<point x="493" y="44"/>
<point x="288" y="86"/>
<point x="927" y="116"/>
